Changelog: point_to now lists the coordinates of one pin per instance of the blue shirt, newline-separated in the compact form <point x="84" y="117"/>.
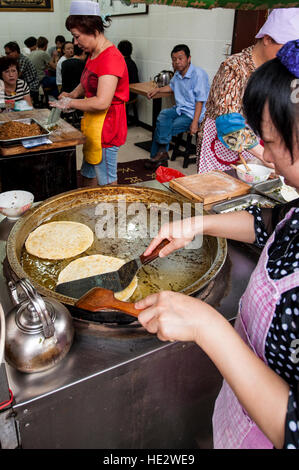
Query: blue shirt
<point x="189" y="90"/>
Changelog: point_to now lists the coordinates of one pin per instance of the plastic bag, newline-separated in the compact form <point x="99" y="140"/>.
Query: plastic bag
<point x="165" y="174"/>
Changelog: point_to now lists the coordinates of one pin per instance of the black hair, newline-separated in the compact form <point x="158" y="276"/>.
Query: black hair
<point x="77" y="50"/>
<point x="6" y="62"/>
<point x="87" y="24"/>
<point x="13" y="47"/>
<point x="272" y="83"/>
<point x="42" y="42"/>
<point x="60" y="39"/>
<point x="125" y="47"/>
<point x="181" y="47"/>
<point x="30" y="42"/>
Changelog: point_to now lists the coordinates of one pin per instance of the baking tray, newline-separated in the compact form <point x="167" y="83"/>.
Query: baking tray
<point x="241" y="203"/>
<point x="44" y="132"/>
<point x="270" y="189"/>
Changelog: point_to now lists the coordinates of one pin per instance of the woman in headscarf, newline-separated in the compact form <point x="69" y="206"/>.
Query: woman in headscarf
<point x="227" y="90"/>
<point x="102" y="94"/>
<point x="257" y="407"/>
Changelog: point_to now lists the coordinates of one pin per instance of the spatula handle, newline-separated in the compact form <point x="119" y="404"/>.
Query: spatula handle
<point x="155" y="253"/>
<point x="101" y="299"/>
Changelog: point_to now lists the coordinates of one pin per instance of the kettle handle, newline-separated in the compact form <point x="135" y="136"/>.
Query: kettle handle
<point x="36" y="302"/>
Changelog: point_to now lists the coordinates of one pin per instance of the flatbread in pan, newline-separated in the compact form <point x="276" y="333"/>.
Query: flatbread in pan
<point x="59" y="240"/>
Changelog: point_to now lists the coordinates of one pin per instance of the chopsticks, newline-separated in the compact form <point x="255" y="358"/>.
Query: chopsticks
<point x="239" y="169"/>
<point x="244" y="162"/>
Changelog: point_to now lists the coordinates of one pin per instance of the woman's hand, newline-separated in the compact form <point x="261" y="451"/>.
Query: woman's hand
<point x="174" y="316"/>
<point x="180" y="233"/>
<point x="64" y="94"/>
<point x="63" y="103"/>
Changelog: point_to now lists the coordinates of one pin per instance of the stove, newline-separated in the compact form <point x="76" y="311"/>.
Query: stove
<point x="120" y="387"/>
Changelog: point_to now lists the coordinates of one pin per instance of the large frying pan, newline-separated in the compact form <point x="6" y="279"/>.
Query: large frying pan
<point x="187" y="270"/>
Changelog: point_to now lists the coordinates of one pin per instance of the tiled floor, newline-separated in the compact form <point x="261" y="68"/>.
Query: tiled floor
<point x="129" y="151"/>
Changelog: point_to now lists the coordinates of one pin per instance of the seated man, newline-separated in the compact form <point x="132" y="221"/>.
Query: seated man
<point x="190" y="86"/>
<point x="42" y="61"/>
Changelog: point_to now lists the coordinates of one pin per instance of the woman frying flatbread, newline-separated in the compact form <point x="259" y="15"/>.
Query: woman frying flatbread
<point x="258" y="405"/>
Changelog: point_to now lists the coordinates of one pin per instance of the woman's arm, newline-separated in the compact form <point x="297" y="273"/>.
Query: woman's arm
<point x="263" y="393"/>
<point x="106" y="89"/>
<point x="237" y="226"/>
<point x="258" y="152"/>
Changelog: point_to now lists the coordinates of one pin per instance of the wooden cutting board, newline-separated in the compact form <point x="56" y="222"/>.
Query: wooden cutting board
<point x="209" y="187"/>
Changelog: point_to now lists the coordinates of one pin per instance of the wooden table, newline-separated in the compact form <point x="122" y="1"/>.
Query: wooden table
<point x="45" y="170"/>
<point x="143" y="88"/>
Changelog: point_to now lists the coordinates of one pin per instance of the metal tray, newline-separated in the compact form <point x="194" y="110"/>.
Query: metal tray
<point x="241" y="203"/>
<point x="44" y="132"/>
<point x="270" y="189"/>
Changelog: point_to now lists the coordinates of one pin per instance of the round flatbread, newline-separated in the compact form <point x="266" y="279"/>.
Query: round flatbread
<point x="59" y="240"/>
<point x="91" y="266"/>
<point x="288" y="193"/>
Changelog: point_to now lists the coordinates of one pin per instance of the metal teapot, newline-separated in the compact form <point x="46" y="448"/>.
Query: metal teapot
<point x="39" y="331"/>
<point x="163" y="78"/>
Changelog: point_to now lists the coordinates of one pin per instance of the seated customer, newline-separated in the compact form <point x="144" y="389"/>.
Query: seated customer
<point x="42" y="60"/>
<point x="68" y="52"/>
<point x="190" y="86"/>
<point x="71" y="70"/>
<point x="126" y="48"/>
<point x="15" y="89"/>
<point x="28" y="71"/>
<point x="30" y="45"/>
<point x="57" y="49"/>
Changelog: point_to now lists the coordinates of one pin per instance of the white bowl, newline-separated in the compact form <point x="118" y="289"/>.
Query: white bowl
<point x="14" y="203"/>
<point x="257" y="173"/>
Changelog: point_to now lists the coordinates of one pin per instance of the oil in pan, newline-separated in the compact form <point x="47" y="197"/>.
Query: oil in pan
<point x="177" y="272"/>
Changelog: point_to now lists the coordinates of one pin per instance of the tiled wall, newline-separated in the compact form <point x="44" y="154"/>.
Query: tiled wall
<point x="208" y="33"/>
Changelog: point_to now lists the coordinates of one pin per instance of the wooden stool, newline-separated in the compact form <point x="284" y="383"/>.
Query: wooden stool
<point x="190" y="149"/>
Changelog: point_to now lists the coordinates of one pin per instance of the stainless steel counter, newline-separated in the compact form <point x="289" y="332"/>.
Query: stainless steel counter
<point x="123" y="388"/>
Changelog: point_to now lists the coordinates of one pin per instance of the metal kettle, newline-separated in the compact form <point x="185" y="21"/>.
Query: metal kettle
<point x="39" y="331"/>
<point x="163" y="78"/>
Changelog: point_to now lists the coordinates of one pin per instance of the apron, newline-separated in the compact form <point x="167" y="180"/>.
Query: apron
<point x="232" y="427"/>
<point x="91" y="127"/>
<point x="214" y="155"/>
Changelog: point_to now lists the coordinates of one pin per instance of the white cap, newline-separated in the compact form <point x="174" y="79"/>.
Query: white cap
<point x="84" y="7"/>
<point x="282" y="25"/>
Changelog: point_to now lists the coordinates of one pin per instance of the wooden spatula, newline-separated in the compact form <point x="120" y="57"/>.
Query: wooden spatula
<point x="100" y="299"/>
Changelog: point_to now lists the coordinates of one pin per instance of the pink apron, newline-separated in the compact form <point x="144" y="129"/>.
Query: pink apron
<point x="232" y="427"/>
<point x="214" y="155"/>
